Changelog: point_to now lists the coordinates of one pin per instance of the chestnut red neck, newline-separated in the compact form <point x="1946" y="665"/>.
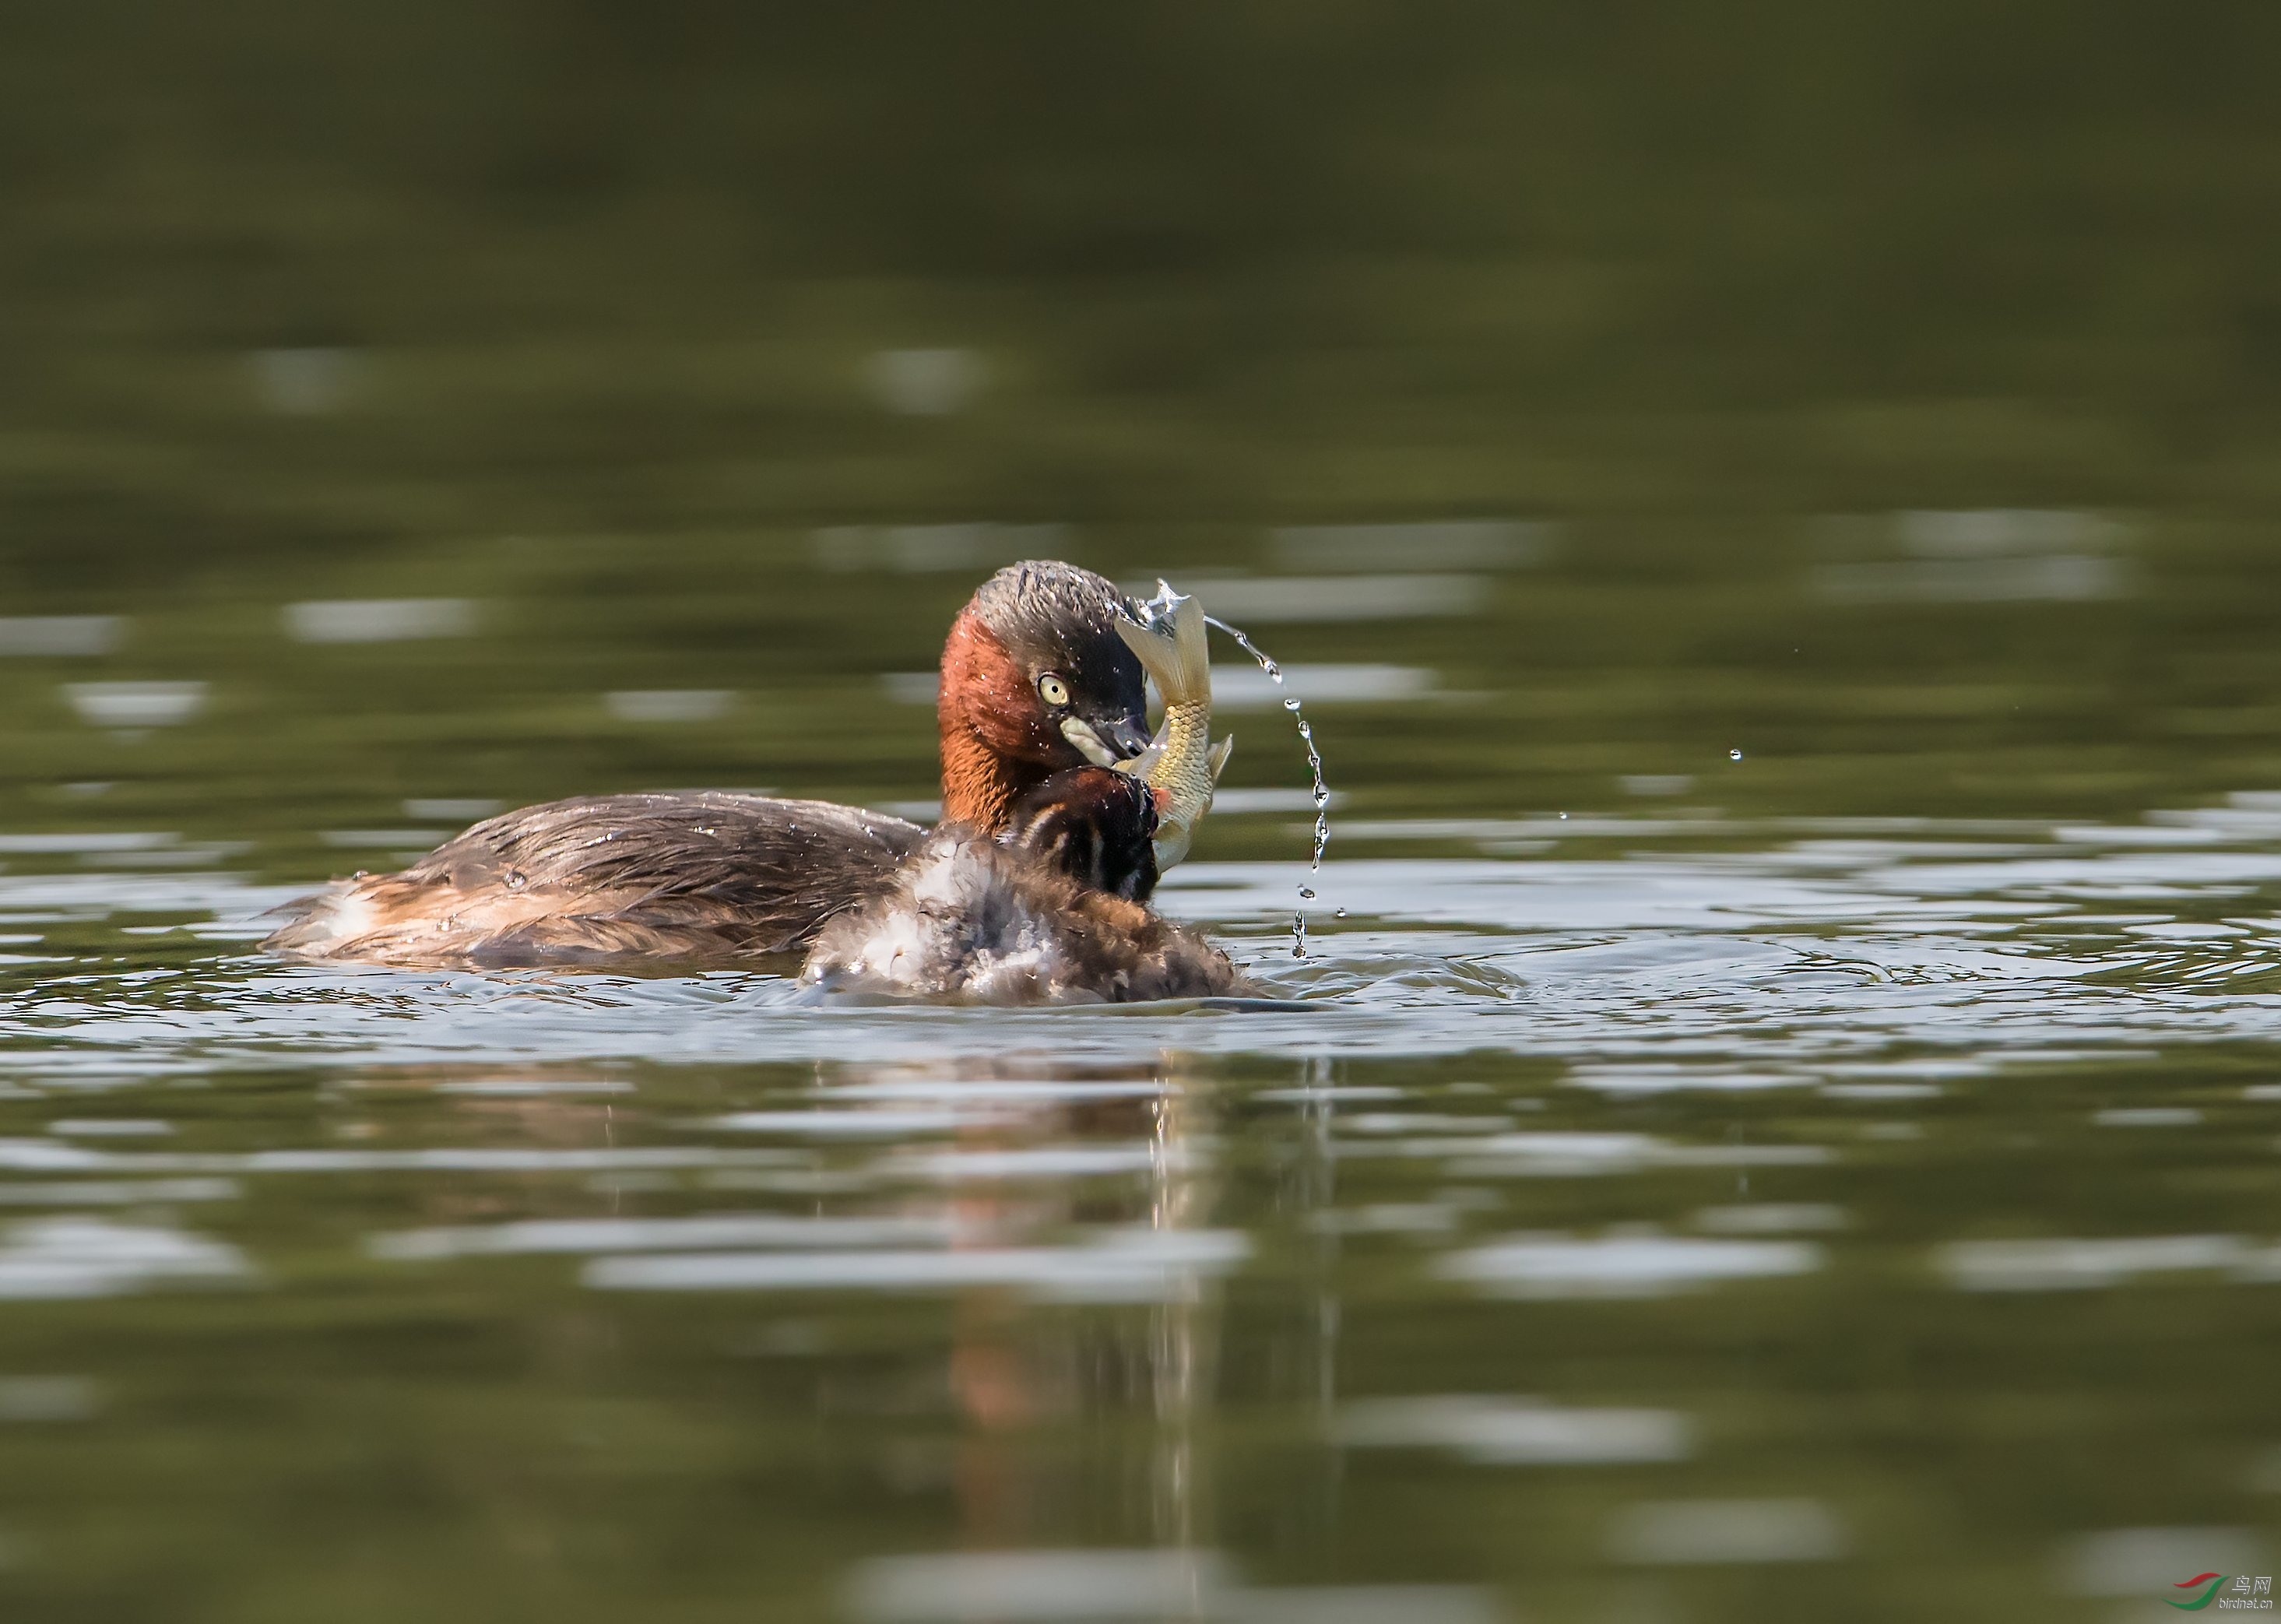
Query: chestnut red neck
<point x="988" y="721"/>
<point x="979" y="788"/>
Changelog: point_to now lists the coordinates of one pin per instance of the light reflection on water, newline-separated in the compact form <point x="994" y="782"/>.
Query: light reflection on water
<point x="1773" y="519"/>
<point x="1996" y="946"/>
<point x="1484" y="1214"/>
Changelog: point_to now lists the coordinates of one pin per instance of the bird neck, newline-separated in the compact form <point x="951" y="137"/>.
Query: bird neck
<point x="979" y="786"/>
<point x="982" y="691"/>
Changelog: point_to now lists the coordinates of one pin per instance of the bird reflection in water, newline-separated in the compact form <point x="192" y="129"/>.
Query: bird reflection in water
<point x="1077" y="1217"/>
<point x="1033" y="1160"/>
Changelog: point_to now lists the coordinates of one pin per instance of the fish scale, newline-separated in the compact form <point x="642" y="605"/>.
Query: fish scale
<point x="1180" y="764"/>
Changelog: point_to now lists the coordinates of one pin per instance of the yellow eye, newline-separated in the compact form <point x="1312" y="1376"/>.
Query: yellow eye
<point x="1054" y="691"/>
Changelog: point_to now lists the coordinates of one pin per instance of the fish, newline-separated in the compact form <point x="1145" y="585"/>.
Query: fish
<point x="1181" y="765"/>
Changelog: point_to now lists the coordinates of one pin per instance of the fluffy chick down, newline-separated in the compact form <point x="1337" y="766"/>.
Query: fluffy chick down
<point x="969" y="921"/>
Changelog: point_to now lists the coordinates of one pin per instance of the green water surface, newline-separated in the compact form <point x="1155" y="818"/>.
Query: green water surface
<point x="1774" y="511"/>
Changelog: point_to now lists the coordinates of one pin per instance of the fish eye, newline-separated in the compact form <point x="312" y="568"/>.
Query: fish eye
<point x="1053" y="689"/>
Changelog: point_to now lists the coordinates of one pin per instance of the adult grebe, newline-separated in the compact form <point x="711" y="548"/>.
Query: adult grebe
<point x="1036" y="681"/>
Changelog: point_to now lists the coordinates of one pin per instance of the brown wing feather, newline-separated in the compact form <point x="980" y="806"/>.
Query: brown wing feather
<point x="703" y="875"/>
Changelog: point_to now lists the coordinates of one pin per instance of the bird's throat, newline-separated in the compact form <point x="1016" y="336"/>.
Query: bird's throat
<point x="982" y="707"/>
<point x="979" y="786"/>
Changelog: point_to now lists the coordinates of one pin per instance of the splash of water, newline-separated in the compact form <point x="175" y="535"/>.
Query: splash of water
<point x="1321" y="791"/>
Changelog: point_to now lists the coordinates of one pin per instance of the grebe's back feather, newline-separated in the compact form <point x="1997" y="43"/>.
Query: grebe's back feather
<point x="701" y="874"/>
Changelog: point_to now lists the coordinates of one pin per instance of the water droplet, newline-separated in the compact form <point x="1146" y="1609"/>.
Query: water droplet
<point x="1307" y="892"/>
<point x="1734" y="756"/>
<point x="1322" y="794"/>
<point x="1563" y="817"/>
<point x="1338" y="913"/>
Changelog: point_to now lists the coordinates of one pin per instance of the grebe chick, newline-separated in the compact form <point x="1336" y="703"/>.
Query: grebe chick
<point x="1050" y="912"/>
<point x="1035" y="681"/>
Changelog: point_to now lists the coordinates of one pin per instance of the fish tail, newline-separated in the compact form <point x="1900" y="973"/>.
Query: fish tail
<point x="1175" y="655"/>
